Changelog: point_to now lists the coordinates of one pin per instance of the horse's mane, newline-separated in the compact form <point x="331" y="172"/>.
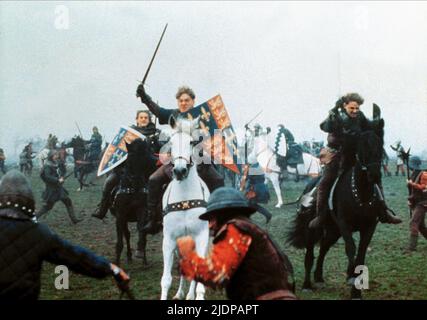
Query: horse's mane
<point x="185" y="125"/>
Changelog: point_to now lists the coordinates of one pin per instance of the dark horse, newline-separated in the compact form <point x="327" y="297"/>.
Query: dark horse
<point x="130" y="196"/>
<point x="357" y="202"/>
<point x="82" y="167"/>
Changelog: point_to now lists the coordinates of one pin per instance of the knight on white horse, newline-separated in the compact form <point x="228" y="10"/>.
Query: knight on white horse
<point x="183" y="202"/>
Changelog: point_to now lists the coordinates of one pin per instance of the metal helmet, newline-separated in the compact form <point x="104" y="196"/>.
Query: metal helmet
<point x="16" y="193"/>
<point x="226" y="198"/>
<point x="415" y="163"/>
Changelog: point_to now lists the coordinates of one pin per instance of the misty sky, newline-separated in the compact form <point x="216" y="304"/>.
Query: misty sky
<point x="291" y="60"/>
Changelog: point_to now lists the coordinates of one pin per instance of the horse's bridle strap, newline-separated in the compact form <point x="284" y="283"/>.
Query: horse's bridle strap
<point x="185" y="205"/>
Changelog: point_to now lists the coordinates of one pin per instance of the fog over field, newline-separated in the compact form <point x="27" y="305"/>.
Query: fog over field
<point x="292" y="60"/>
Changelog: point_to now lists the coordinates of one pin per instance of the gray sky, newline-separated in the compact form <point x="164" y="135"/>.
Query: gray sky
<point x="290" y="59"/>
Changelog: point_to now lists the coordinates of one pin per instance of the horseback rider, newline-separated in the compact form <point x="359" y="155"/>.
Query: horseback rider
<point x="26" y="245"/>
<point x="50" y="174"/>
<point x="95" y="146"/>
<point x="344" y="124"/>
<point x="2" y="159"/>
<point x="163" y="175"/>
<point x="244" y="259"/>
<point x="417" y="201"/>
<point x="145" y="126"/>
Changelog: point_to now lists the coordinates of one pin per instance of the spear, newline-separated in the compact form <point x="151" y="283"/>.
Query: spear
<point x="78" y="128"/>
<point x="405" y="157"/>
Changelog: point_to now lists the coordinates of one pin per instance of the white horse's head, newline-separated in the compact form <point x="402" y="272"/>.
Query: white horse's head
<point x="184" y="134"/>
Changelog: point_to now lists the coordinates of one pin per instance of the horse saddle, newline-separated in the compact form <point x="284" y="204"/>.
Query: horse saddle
<point x="294" y="155"/>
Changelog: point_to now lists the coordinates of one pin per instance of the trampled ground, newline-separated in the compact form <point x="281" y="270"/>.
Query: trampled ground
<point x="392" y="274"/>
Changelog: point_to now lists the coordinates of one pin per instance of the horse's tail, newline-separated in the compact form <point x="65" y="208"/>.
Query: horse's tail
<point x="297" y="234"/>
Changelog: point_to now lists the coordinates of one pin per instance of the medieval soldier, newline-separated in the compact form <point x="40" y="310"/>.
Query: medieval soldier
<point x="344" y="124"/>
<point x="25" y="245"/>
<point x="52" y="140"/>
<point x="54" y="189"/>
<point x="145" y="126"/>
<point x="185" y="99"/>
<point x="399" y="162"/>
<point x="95" y="145"/>
<point x="256" y="191"/>
<point x="384" y="163"/>
<point x="26" y="158"/>
<point x="2" y="159"/>
<point x="244" y="259"/>
<point x="417" y="201"/>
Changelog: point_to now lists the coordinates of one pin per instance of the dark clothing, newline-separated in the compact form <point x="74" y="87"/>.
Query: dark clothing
<point x="161" y="113"/>
<point x="418" y="200"/>
<point x="24" y="245"/>
<point x="256" y="184"/>
<point x="95" y="147"/>
<point x="343" y="133"/>
<point x="264" y="269"/>
<point x="54" y="190"/>
<point x="2" y="158"/>
<point x="152" y="135"/>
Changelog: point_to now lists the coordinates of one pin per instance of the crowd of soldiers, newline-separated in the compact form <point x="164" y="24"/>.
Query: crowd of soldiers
<point x="254" y="258"/>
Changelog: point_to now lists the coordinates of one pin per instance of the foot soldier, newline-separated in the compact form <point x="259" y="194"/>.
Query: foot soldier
<point x="244" y="259"/>
<point x="25" y="245"/>
<point x="54" y="191"/>
<point x="344" y="124"/>
<point x="417" y="201"/>
<point x="145" y="126"/>
<point x="399" y="162"/>
<point x="185" y="100"/>
<point x="2" y="159"/>
<point x="384" y="163"/>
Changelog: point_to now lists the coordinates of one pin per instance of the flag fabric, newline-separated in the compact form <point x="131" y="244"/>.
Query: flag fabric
<point x="222" y="145"/>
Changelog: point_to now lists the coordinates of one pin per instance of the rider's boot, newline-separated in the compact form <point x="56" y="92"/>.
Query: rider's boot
<point x="102" y="208"/>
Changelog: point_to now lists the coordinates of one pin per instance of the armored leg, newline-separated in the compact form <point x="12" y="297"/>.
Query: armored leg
<point x="329" y="175"/>
<point x="153" y="217"/>
<point x="105" y="203"/>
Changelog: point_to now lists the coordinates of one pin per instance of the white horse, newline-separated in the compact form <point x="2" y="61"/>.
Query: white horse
<point x="267" y="159"/>
<point x="264" y="155"/>
<point x="185" y="190"/>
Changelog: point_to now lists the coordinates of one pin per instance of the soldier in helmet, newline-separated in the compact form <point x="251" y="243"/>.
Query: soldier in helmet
<point x="399" y="162"/>
<point x="185" y="99"/>
<point x="145" y="126"/>
<point x="54" y="192"/>
<point x="26" y="244"/>
<point x="95" y="145"/>
<point x="2" y="159"/>
<point x="344" y="124"/>
<point x="244" y="259"/>
<point x="417" y="201"/>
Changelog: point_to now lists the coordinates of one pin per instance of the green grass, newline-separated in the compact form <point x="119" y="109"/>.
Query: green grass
<point x="393" y="274"/>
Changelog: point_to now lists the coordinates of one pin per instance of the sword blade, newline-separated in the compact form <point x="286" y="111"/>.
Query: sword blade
<point x="154" y="55"/>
